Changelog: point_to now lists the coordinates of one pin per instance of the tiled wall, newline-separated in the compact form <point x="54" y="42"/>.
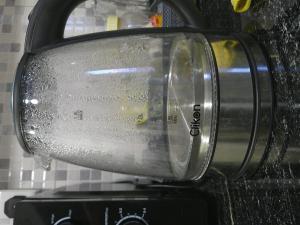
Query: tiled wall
<point x="17" y="169"/>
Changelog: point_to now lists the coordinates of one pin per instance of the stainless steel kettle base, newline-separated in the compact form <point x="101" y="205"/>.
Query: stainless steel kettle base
<point x="246" y="105"/>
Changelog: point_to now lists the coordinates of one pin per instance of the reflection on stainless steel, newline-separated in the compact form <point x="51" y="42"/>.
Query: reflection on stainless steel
<point x="264" y="104"/>
<point x="245" y="105"/>
<point x="236" y="104"/>
<point x="239" y="71"/>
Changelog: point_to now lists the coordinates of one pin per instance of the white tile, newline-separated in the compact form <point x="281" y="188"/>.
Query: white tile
<point x="106" y="176"/>
<point x="48" y="185"/>
<point x="75" y="167"/>
<point x="38" y="175"/>
<point x="5" y="221"/>
<point x="15" y="180"/>
<point x="119" y="177"/>
<point x="61" y="165"/>
<point x="25" y="2"/>
<point x="72" y="185"/>
<point x="73" y="175"/>
<point x="7" y="116"/>
<point x="8" y="11"/>
<point x="59" y="184"/>
<point x="4" y="58"/>
<point x="26" y="184"/>
<point x="28" y="163"/>
<point x="50" y="175"/>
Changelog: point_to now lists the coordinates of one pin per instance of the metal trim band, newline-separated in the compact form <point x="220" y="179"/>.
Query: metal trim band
<point x="265" y="106"/>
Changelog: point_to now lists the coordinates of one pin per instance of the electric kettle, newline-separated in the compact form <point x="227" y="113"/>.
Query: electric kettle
<point x="171" y="103"/>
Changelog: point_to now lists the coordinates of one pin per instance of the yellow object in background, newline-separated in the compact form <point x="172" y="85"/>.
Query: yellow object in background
<point x="142" y="118"/>
<point x="138" y="112"/>
<point x="224" y="52"/>
<point x="241" y="6"/>
<point x="113" y="23"/>
<point x="157" y="20"/>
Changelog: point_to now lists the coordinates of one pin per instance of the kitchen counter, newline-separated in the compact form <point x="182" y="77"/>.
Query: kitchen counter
<point x="273" y="196"/>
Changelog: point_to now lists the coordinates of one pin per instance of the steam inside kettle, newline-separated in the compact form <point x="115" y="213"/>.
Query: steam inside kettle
<point x="128" y="104"/>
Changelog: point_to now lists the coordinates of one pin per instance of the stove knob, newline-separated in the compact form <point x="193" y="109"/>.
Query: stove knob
<point x="133" y="223"/>
<point x="132" y="220"/>
<point x="66" y="223"/>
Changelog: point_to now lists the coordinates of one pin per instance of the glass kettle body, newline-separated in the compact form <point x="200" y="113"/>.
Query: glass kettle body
<point x="168" y="103"/>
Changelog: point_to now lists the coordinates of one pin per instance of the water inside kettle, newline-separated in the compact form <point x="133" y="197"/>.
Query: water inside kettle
<point x="113" y="104"/>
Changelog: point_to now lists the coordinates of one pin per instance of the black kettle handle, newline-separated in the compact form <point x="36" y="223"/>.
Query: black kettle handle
<point x="48" y="19"/>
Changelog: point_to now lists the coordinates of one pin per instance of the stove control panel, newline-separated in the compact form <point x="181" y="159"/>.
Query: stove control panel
<point x="111" y="212"/>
